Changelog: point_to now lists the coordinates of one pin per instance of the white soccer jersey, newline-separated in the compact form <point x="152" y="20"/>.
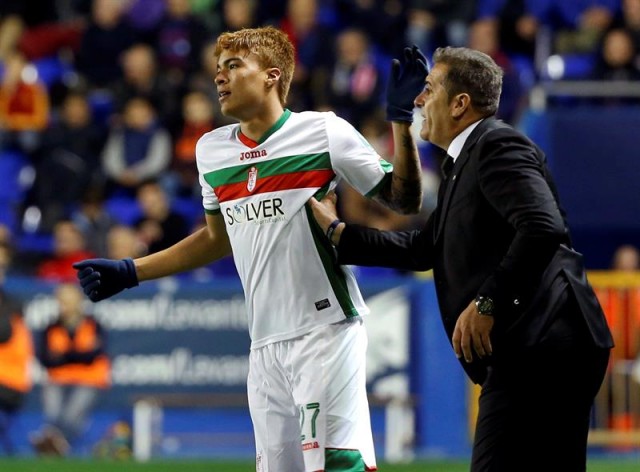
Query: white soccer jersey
<point x="291" y="281"/>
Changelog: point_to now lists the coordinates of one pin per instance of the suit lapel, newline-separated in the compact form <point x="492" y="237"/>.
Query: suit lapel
<point x="450" y="181"/>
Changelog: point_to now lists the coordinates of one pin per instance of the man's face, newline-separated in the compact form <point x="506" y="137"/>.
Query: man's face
<point x="435" y="108"/>
<point x="241" y="83"/>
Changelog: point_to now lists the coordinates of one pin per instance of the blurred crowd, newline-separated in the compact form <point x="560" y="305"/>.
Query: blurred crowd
<point x="103" y="101"/>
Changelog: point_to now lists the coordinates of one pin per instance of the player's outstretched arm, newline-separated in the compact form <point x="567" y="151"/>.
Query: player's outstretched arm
<point x="403" y="193"/>
<point x="103" y="278"/>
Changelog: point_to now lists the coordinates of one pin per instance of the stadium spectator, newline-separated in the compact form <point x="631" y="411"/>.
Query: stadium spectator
<point x="70" y="153"/>
<point x="313" y="44"/>
<point x="518" y="29"/>
<point x="138" y="150"/>
<point x="616" y="58"/>
<point x="51" y="29"/>
<point x="16" y="355"/>
<point x="626" y="258"/>
<point x="123" y="242"/>
<point x="356" y="83"/>
<point x="141" y="78"/>
<point x="198" y="118"/>
<point x="93" y="220"/>
<point x="483" y="37"/>
<point x="5" y="235"/>
<point x="179" y="40"/>
<point x="256" y="177"/>
<point x="144" y="16"/>
<point x="105" y="38"/>
<point x="629" y="19"/>
<point x="38" y="29"/>
<point x="577" y="25"/>
<point x="73" y="350"/>
<point x="69" y="246"/>
<point x="433" y="23"/>
<point x="236" y="14"/>
<point x="383" y="21"/>
<point x="513" y="295"/>
<point x="160" y="226"/>
<point x="24" y="106"/>
<point x="11" y="27"/>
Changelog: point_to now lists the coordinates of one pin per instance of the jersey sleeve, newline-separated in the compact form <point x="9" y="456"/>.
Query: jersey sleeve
<point x="354" y="159"/>
<point x="209" y="198"/>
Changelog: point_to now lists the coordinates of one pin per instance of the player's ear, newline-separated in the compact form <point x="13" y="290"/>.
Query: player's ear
<point x="273" y="76"/>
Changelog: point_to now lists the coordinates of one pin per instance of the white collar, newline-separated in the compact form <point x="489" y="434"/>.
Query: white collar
<point x="455" y="148"/>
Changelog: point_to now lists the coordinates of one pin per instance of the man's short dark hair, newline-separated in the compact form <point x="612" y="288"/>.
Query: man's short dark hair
<point x="472" y="72"/>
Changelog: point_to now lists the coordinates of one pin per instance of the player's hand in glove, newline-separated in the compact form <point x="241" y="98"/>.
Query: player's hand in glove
<point x="405" y="84"/>
<point x="103" y="278"/>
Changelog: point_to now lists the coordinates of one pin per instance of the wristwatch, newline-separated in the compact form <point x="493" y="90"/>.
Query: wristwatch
<point x="484" y="305"/>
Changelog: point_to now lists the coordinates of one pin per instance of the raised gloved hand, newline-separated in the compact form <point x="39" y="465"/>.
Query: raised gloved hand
<point x="405" y="84"/>
<point x="103" y="278"/>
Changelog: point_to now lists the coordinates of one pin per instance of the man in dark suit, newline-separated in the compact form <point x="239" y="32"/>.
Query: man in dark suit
<point x="513" y="294"/>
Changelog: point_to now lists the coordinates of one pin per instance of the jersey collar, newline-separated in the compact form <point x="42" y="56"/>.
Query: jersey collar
<point x="276" y="126"/>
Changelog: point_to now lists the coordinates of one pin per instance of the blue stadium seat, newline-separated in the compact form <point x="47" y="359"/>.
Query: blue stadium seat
<point x="102" y="106"/>
<point x="52" y="69"/>
<point x="8" y="215"/>
<point x="190" y="209"/>
<point x="35" y="243"/>
<point x="12" y="163"/>
<point x="526" y="70"/>
<point x="125" y="210"/>
<point x="568" y="67"/>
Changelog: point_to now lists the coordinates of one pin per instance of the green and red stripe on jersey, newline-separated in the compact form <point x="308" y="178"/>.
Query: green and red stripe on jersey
<point x="284" y="173"/>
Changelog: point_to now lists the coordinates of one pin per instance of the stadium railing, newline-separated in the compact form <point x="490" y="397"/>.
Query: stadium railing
<point x="616" y="416"/>
<point x="148" y="414"/>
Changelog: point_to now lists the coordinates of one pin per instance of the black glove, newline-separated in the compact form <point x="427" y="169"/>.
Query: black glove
<point x="102" y="278"/>
<point x="405" y="84"/>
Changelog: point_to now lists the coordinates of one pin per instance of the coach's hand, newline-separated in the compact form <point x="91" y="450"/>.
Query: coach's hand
<point x="406" y="81"/>
<point x="103" y="278"/>
<point x="472" y="333"/>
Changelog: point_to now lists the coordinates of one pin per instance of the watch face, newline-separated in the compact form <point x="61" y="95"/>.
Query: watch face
<point x="485" y="306"/>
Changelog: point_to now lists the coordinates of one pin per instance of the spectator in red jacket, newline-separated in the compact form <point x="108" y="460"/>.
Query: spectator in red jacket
<point x="69" y="246"/>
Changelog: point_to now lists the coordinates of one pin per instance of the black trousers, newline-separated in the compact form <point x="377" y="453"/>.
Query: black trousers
<point x="535" y="406"/>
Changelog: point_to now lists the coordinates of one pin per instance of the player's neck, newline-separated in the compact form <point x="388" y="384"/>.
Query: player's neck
<point x="255" y="127"/>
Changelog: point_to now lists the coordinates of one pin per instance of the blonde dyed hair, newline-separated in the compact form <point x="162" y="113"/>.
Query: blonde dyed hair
<point x="272" y="46"/>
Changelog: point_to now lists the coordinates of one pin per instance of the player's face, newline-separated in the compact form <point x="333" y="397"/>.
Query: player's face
<point x="241" y="83"/>
<point x="434" y="104"/>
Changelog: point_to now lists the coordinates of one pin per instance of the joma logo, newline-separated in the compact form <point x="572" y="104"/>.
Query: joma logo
<point x="252" y="154"/>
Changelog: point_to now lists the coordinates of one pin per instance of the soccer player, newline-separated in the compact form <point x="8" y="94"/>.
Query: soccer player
<point x="306" y="383"/>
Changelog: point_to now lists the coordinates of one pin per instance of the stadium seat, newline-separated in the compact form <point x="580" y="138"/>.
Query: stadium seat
<point x="526" y="70"/>
<point x="568" y="67"/>
<point x="125" y="210"/>
<point x="190" y="209"/>
<point x="12" y="163"/>
<point x="102" y="106"/>
<point x="52" y="69"/>
<point x="34" y="243"/>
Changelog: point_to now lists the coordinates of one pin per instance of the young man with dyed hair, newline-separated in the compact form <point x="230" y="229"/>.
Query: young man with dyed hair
<point x="306" y="383"/>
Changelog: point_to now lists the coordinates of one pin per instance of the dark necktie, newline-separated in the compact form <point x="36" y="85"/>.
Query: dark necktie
<point x="447" y="166"/>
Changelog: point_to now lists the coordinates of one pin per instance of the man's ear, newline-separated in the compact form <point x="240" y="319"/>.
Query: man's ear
<point x="273" y="76"/>
<point x="460" y="104"/>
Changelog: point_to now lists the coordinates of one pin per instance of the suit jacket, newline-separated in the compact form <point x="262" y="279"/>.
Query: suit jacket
<point x="497" y="231"/>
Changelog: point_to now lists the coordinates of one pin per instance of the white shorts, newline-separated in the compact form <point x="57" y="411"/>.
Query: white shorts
<point x="308" y="402"/>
